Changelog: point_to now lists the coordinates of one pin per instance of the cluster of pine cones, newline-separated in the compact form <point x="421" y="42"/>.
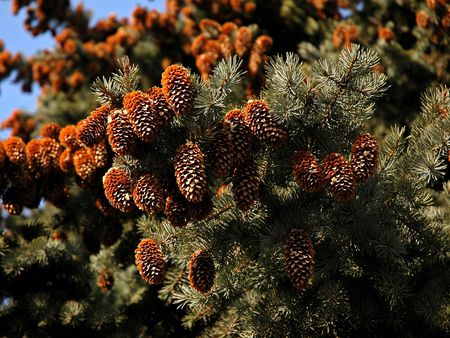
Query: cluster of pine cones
<point x="299" y="263"/>
<point x="340" y="175"/>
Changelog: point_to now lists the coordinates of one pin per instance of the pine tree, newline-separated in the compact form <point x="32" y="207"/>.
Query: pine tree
<point x="138" y="200"/>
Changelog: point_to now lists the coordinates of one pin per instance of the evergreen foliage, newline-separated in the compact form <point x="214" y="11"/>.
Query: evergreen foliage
<point x="263" y="197"/>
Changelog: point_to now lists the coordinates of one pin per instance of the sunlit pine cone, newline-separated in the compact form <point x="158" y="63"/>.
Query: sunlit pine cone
<point x="150" y="261"/>
<point x="105" y="280"/>
<point x="246" y="185"/>
<point x="117" y="185"/>
<point x="263" y="124"/>
<point x="68" y="137"/>
<point x="121" y="135"/>
<point x="365" y="154"/>
<point x="219" y="150"/>
<point x="15" y="150"/>
<point x="340" y="176"/>
<point x="148" y="194"/>
<point x="51" y="130"/>
<point x="66" y="161"/>
<point x="307" y="172"/>
<point x="161" y="106"/>
<point x="178" y="89"/>
<point x="84" y="164"/>
<point x="299" y="258"/>
<point x="241" y="136"/>
<point x="101" y="155"/>
<point x="190" y="172"/>
<point x="144" y="119"/>
<point x="92" y="129"/>
<point x="201" y="271"/>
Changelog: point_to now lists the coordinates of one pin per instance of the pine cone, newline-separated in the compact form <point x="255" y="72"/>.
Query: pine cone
<point x="150" y="261"/>
<point x="121" y="136"/>
<point x="92" y="129"/>
<point x="364" y="157"/>
<point x="51" y="130"/>
<point x="190" y="172"/>
<point x="219" y="151"/>
<point x="246" y="184"/>
<point x="200" y="211"/>
<point x="263" y="123"/>
<point x="201" y="271"/>
<point x="176" y="211"/>
<point x="68" y="137"/>
<point x="148" y="195"/>
<point x="117" y="185"/>
<point x="161" y="107"/>
<point x="142" y="115"/>
<point x="15" y="150"/>
<point x="105" y="280"/>
<point x="84" y="164"/>
<point x="100" y="155"/>
<point x="66" y="161"/>
<point x="178" y="89"/>
<point x="241" y="136"/>
<point x="307" y="172"/>
<point x="339" y="173"/>
<point x="299" y="258"/>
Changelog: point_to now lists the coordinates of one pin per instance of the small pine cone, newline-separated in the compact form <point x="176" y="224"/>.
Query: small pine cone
<point x="246" y="184"/>
<point x="263" y="124"/>
<point x="243" y="42"/>
<point x="66" y="161"/>
<point x="200" y="211"/>
<point x="84" y="164"/>
<point x="112" y="234"/>
<point x="190" y="172"/>
<point x="105" y="280"/>
<point x="38" y="162"/>
<point x="364" y="157"/>
<point x="201" y="271"/>
<point x="176" y="211"/>
<point x="240" y="135"/>
<point x="178" y="89"/>
<point x="150" y="261"/>
<point x="15" y="150"/>
<point x="101" y="155"/>
<point x="307" y="172"/>
<point x="339" y="173"/>
<point x="54" y="150"/>
<point x="299" y="258"/>
<point x="51" y="130"/>
<point x="219" y="151"/>
<point x="68" y="137"/>
<point x="148" y="195"/>
<point x="92" y="129"/>
<point x="117" y="185"/>
<point x="121" y="136"/>
<point x="141" y="114"/>
<point x="161" y="107"/>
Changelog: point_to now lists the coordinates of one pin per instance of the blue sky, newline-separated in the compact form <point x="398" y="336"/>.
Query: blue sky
<point x="17" y="39"/>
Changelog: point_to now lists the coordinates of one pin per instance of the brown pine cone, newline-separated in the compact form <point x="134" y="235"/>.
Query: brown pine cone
<point x="92" y="129"/>
<point x="339" y="174"/>
<point x="201" y="271"/>
<point x="178" y="89"/>
<point x="299" y="258"/>
<point x="176" y="211"/>
<point x="307" y="172"/>
<point x="121" y="136"/>
<point x="148" y="195"/>
<point x="150" y="261"/>
<point x="219" y="150"/>
<point x="365" y="154"/>
<point x="241" y="136"/>
<point x="161" y="107"/>
<point x="117" y="185"/>
<point x="246" y="185"/>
